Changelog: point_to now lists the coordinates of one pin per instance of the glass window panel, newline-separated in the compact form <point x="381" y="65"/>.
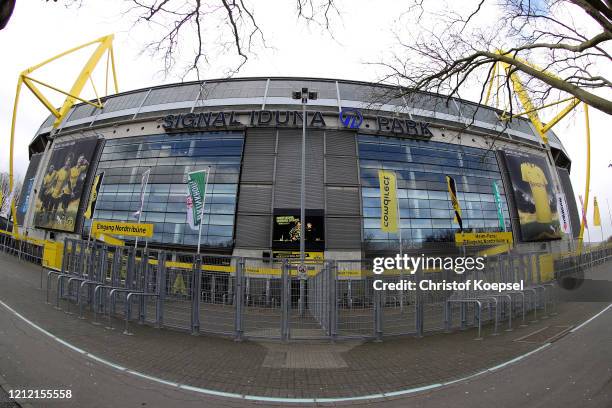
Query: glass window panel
<point x="421" y="223"/>
<point x="218" y="219"/>
<point x="419" y="213"/>
<point x="441" y="223"/>
<point x="371" y="192"/>
<point x="440" y="204"/>
<point x="124" y="161"/>
<point x="418" y="194"/>
<point x="421" y="167"/>
<point x="371" y="212"/>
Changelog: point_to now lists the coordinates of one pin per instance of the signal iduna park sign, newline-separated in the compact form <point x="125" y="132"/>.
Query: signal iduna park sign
<point x="347" y="118"/>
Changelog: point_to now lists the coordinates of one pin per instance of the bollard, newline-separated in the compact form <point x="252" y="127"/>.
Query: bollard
<point x="378" y="316"/>
<point x="285" y="301"/>
<point x="239" y="300"/>
<point x="419" y="307"/>
<point x="196" y="285"/>
<point x="332" y="268"/>
<point x="160" y="287"/>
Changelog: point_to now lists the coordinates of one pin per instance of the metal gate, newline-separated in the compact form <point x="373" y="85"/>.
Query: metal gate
<point x="311" y="291"/>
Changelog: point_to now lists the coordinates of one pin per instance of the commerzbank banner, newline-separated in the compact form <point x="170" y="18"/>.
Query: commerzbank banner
<point x="388" y="201"/>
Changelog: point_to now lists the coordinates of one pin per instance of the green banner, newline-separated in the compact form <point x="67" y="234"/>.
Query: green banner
<point x="196" y="184"/>
<point x="500" y="212"/>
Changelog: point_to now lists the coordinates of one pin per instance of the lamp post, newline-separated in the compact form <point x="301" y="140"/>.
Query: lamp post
<point x="304" y="95"/>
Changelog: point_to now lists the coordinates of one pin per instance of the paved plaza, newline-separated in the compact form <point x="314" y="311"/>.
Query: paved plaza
<point x="29" y="358"/>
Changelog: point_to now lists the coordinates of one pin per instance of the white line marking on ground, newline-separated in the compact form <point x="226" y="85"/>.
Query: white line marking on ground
<point x="532" y="333"/>
<point x="273" y="399"/>
<point x="592" y="318"/>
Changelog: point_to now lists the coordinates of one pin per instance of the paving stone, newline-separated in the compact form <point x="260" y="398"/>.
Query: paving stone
<point x="299" y="369"/>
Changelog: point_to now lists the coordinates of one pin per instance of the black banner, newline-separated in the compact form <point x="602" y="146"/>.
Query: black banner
<point x="452" y="190"/>
<point x="93" y="196"/>
<point x="534" y="198"/>
<point x="287" y="228"/>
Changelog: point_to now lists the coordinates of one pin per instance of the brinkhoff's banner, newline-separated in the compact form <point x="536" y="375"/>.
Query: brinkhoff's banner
<point x="197" y="189"/>
<point x="63" y="184"/>
<point x="534" y="198"/>
<point x="388" y="201"/>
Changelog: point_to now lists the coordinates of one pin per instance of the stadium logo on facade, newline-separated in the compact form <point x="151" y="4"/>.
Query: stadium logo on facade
<point x="348" y="118"/>
<point x="351" y="118"/>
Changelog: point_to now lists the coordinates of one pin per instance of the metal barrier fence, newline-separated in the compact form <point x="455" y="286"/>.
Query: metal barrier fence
<point x="246" y="297"/>
<point x="22" y="247"/>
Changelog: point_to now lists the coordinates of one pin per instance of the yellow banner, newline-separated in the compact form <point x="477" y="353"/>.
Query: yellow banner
<point x="131" y="229"/>
<point x="483" y="238"/>
<point x="388" y="201"/>
<point x="295" y="255"/>
<point x="109" y="240"/>
<point x="596" y="215"/>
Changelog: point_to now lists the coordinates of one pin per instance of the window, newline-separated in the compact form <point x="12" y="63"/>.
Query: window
<point x="421" y="168"/>
<point x="170" y="158"/>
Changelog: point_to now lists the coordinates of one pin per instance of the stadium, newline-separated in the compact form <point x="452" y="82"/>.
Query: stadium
<point x="249" y="131"/>
<point x="464" y="182"/>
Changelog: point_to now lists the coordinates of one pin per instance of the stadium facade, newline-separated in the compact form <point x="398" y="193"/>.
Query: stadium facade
<point x="249" y="131"/>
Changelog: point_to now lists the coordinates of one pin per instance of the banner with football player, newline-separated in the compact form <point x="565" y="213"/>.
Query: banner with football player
<point x="63" y="185"/>
<point x="534" y="197"/>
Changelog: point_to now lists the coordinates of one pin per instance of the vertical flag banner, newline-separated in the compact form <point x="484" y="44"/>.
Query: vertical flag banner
<point x="452" y="190"/>
<point x="93" y="196"/>
<point x="596" y="215"/>
<point x="196" y="184"/>
<point x="388" y="201"/>
<point x="190" y="219"/>
<point x="6" y="205"/>
<point x="584" y="218"/>
<point x="26" y="192"/>
<point x="3" y="187"/>
<point x="563" y="214"/>
<point x="143" y="187"/>
<point x="498" y="204"/>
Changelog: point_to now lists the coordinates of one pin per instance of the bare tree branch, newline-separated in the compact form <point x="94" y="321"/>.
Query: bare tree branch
<point x="564" y="59"/>
<point x="230" y="25"/>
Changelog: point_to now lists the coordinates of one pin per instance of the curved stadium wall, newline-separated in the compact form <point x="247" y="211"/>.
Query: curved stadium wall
<point x="249" y="132"/>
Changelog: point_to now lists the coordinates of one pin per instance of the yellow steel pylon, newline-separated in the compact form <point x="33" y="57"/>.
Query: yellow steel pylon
<point x="105" y="46"/>
<point x="532" y="113"/>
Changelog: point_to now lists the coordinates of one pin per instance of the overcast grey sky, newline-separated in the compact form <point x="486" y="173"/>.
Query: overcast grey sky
<point x="362" y="35"/>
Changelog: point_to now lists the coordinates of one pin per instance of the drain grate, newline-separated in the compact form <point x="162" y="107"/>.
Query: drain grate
<point x="546" y="334"/>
